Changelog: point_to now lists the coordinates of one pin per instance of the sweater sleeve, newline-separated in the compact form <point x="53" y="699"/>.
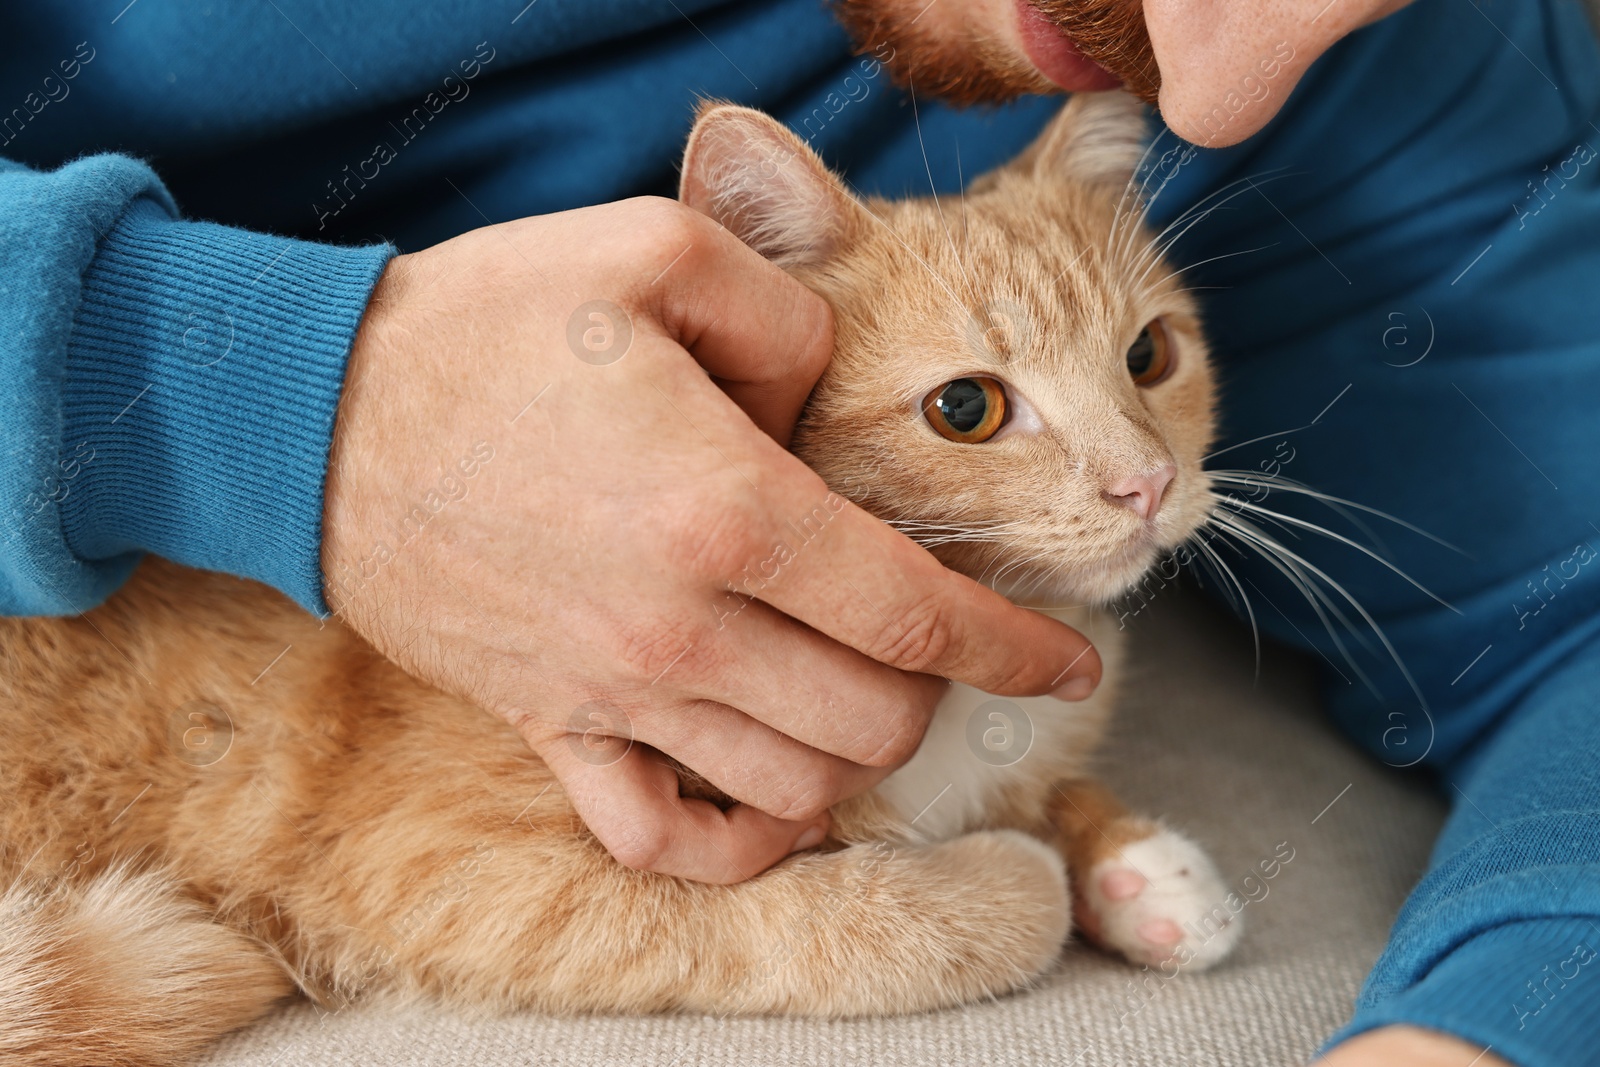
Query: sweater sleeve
<point x="170" y="387"/>
<point x="1500" y="943"/>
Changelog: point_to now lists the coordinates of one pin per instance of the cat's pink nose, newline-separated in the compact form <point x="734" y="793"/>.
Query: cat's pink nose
<point x="1141" y="493"/>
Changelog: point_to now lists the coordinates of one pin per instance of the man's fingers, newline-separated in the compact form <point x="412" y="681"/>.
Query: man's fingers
<point x="871" y="588"/>
<point x="812" y="688"/>
<point x="632" y="806"/>
<point x="765" y="337"/>
<point x="751" y="761"/>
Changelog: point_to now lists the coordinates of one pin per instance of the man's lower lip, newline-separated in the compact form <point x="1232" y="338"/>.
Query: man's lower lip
<point x="1055" y="55"/>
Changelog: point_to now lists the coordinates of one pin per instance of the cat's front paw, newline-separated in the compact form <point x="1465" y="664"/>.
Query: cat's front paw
<point x="1159" y="899"/>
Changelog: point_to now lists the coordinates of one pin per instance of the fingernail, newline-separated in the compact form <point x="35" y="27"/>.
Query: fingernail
<point x="811" y="838"/>
<point x="1074" y="689"/>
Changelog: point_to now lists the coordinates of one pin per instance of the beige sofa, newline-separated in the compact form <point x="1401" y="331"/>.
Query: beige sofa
<point x="1241" y="764"/>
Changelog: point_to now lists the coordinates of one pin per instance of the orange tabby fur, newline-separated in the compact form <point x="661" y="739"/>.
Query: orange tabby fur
<point x="364" y="833"/>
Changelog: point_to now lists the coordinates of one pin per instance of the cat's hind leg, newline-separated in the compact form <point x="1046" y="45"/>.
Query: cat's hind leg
<point x="122" y="969"/>
<point x="1140" y="889"/>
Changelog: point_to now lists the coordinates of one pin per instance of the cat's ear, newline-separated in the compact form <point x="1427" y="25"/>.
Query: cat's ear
<point x="754" y="176"/>
<point x="1096" y="139"/>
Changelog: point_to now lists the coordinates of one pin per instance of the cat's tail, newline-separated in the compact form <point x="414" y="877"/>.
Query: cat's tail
<point x="122" y="970"/>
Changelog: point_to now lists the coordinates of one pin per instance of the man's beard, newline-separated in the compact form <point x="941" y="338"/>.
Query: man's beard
<point x="1112" y="33"/>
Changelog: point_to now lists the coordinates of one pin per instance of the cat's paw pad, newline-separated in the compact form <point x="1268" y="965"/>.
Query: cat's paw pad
<point x="1157" y="900"/>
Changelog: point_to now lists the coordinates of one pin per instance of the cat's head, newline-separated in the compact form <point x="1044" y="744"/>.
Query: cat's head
<point x="1018" y="381"/>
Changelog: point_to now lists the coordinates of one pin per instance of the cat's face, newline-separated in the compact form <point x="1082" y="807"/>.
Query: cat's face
<point x="1017" y="382"/>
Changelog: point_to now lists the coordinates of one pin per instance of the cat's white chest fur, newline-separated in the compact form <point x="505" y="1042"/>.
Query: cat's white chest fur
<point x="977" y="745"/>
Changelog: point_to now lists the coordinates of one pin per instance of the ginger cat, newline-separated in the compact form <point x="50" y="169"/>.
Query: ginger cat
<point x="1019" y="382"/>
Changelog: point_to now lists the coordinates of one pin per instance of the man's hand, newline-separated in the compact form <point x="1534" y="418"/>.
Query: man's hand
<point x="544" y="485"/>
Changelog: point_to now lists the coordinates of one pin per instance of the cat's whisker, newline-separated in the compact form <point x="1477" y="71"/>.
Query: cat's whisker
<point x="938" y="542"/>
<point x="961" y="183"/>
<point x="989" y="524"/>
<point x="1289" y="485"/>
<point x="1224" y="450"/>
<point x="1127" y="188"/>
<point x="1043" y="579"/>
<point x="974" y="524"/>
<point x="1276" y="516"/>
<point x="1000" y="575"/>
<point x="934" y="534"/>
<point x="982" y="577"/>
<point x="1315" y="597"/>
<point x="1224" y="538"/>
<point x="1184" y="216"/>
<point x="938" y="201"/>
<point x="1022" y="593"/>
<point x="1161" y="243"/>
<point x="932" y="531"/>
<point x="1173" y="274"/>
<point x="1227" y="572"/>
<point x="1134" y="180"/>
<point x="1148" y="202"/>
<point x="1202" y="289"/>
<point x="1376" y="542"/>
<point x="1254" y="534"/>
<point x="1200" y="207"/>
<point x="1016" y="565"/>
<point x="1337" y="505"/>
<point x="1285" y="527"/>
<point x="1310" y="588"/>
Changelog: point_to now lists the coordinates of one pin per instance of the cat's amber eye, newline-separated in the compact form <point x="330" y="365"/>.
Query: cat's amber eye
<point x="968" y="411"/>
<point x="1150" y="355"/>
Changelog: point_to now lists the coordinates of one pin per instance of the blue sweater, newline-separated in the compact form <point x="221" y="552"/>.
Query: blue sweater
<point x="1415" y="330"/>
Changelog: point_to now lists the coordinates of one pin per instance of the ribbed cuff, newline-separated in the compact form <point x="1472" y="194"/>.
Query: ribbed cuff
<point x="1529" y="990"/>
<point x="202" y="380"/>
